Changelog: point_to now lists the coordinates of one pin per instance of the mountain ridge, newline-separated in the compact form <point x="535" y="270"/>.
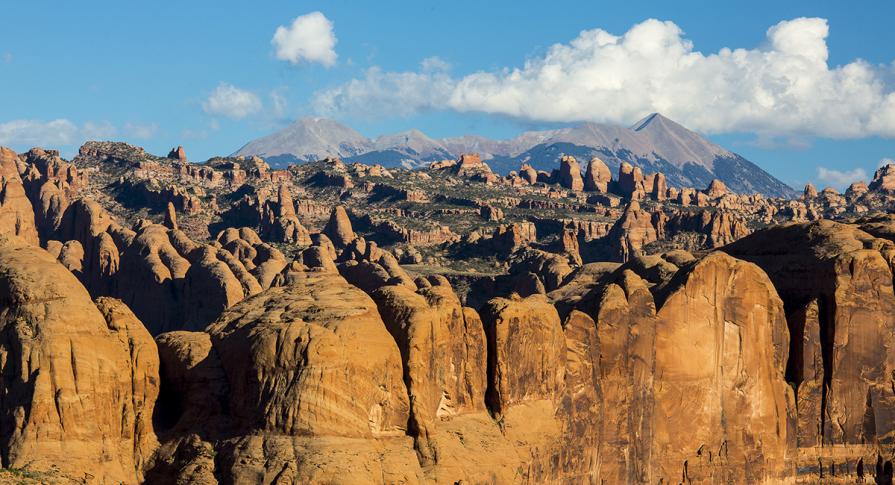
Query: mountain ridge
<point x="654" y="143"/>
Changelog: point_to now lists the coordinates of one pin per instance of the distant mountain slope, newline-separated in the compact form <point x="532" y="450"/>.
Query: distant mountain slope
<point x="654" y="143"/>
<point x="309" y="139"/>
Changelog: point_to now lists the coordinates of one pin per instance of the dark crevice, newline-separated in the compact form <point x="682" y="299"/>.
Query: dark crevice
<point x="883" y="471"/>
<point x="826" y="309"/>
<point x="168" y="408"/>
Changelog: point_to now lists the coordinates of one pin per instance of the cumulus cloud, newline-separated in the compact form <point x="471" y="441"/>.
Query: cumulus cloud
<point x="310" y="38"/>
<point x="23" y="134"/>
<point x="229" y="101"/>
<point x="840" y="178"/>
<point x="785" y="87"/>
<point x="397" y="93"/>
<point x="27" y="133"/>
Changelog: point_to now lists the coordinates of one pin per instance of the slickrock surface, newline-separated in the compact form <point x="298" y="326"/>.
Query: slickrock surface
<point x="223" y="322"/>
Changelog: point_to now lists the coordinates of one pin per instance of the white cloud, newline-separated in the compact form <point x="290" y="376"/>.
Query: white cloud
<point x="397" y="93"/>
<point x="885" y="161"/>
<point x="786" y="87"/>
<point x="7" y="57"/>
<point x="101" y="130"/>
<point x="840" y="178"/>
<point x="28" y="133"/>
<point x="23" y="134"/>
<point x="279" y="102"/>
<point x="231" y="102"/>
<point x="140" y="130"/>
<point x="310" y="38"/>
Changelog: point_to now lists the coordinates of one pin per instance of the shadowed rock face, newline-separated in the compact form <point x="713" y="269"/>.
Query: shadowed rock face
<point x="626" y="328"/>
<point x="569" y="174"/>
<point x="311" y="361"/>
<point x="836" y="281"/>
<point x="79" y="379"/>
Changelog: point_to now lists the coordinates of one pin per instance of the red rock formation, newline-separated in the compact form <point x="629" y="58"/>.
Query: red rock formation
<point x="529" y="174"/>
<point x="630" y="181"/>
<point x="841" y="277"/>
<point x="338" y="229"/>
<point x="443" y="352"/>
<point x="659" y="188"/>
<point x="317" y="391"/>
<point x="177" y="153"/>
<point x="279" y="223"/>
<point x="883" y="179"/>
<point x="597" y="177"/>
<point x="80" y="378"/>
<point x="743" y="398"/>
<point x="569" y="175"/>
<point x="716" y="189"/>
<point x="170" y="217"/>
<point x="632" y="230"/>
<point x="16" y="212"/>
<point x="491" y="213"/>
<point x="810" y="191"/>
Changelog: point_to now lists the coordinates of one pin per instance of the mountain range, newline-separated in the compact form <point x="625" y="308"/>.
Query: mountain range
<point x="655" y="143"/>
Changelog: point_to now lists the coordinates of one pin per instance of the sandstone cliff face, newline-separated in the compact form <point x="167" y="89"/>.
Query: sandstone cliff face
<point x="322" y="320"/>
<point x="626" y="328"/>
<point x="543" y="389"/>
<point x="666" y="414"/>
<point x="16" y="212"/>
<point x="79" y="378"/>
<point x="837" y="280"/>
<point x="738" y="400"/>
<point x="443" y="353"/>
<point x="314" y="387"/>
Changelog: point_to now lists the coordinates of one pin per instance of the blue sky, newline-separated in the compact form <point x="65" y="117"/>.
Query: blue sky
<point x="145" y="73"/>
